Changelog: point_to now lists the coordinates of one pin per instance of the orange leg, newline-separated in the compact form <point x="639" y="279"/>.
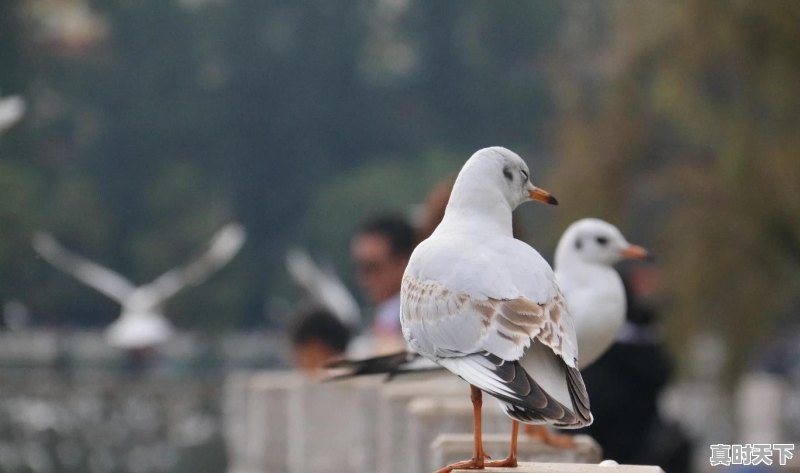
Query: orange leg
<point x="548" y="437"/>
<point x="478" y="455"/>
<point x="511" y="461"/>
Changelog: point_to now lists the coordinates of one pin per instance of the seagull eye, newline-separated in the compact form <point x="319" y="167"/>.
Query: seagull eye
<point x="603" y="241"/>
<point x="524" y="175"/>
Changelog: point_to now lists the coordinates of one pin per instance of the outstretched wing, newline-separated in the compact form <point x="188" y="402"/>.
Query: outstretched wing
<point x="223" y="247"/>
<point x="323" y="287"/>
<point x="102" y="279"/>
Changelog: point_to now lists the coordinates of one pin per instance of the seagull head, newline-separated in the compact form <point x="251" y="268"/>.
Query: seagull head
<point x="596" y="241"/>
<point x="499" y="170"/>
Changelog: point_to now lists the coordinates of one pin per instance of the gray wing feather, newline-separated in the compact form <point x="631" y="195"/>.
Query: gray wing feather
<point x="222" y="248"/>
<point x="102" y="279"/>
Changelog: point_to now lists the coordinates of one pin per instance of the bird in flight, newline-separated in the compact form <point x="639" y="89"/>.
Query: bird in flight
<point x="141" y="323"/>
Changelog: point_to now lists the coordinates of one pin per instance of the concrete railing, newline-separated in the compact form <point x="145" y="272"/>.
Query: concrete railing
<point x="279" y="422"/>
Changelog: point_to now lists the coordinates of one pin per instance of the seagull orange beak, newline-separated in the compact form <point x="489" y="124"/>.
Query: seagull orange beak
<point x="542" y="195"/>
<point x="636" y="252"/>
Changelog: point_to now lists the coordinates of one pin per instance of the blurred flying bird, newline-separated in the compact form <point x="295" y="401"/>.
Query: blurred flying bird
<point x="323" y="287"/>
<point x="142" y="323"/>
<point x="487" y="306"/>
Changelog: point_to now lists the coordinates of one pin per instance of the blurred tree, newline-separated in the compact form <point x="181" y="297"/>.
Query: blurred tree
<point x="19" y="200"/>
<point x="691" y="110"/>
<point x="12" y="79"/>
<point x="154" y="122"/>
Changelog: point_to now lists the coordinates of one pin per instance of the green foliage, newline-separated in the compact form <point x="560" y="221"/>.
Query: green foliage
<point x="19" y="199"/>
<point x="692" y="132"/>
<point x="182" y="116"/>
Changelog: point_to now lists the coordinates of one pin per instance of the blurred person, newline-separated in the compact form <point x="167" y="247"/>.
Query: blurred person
<point x="625" y="383"/>
<point x="380" y="250"/>
<point x="317" y="337"/>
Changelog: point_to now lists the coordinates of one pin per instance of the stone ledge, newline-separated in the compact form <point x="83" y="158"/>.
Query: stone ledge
<point x="447" y="448"/>
<point x="525" y="467"/>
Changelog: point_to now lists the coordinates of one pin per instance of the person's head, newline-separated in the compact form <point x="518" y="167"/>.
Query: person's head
<point x="380" y="251"/>
<point x="317" y="337"/>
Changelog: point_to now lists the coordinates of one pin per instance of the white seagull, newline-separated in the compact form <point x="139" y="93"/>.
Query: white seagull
<point x="142" y="323"/>
<point x="487" y="306"/>
<point x="584" y="266"/>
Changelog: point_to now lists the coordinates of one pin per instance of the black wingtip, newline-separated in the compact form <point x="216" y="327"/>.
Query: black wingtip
<point x="391" y="365"/>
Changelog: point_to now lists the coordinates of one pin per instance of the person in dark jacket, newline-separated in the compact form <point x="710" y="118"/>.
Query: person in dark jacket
<point x="624" y="385"/>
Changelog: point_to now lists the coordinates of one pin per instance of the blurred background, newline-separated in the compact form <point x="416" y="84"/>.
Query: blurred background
<point x="149" y="125"/>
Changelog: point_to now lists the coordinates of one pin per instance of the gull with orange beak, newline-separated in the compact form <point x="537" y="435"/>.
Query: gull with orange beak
<point x="487" y="306"/>
<point x="584" y="266"/>
<point x="542" y="196"/>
